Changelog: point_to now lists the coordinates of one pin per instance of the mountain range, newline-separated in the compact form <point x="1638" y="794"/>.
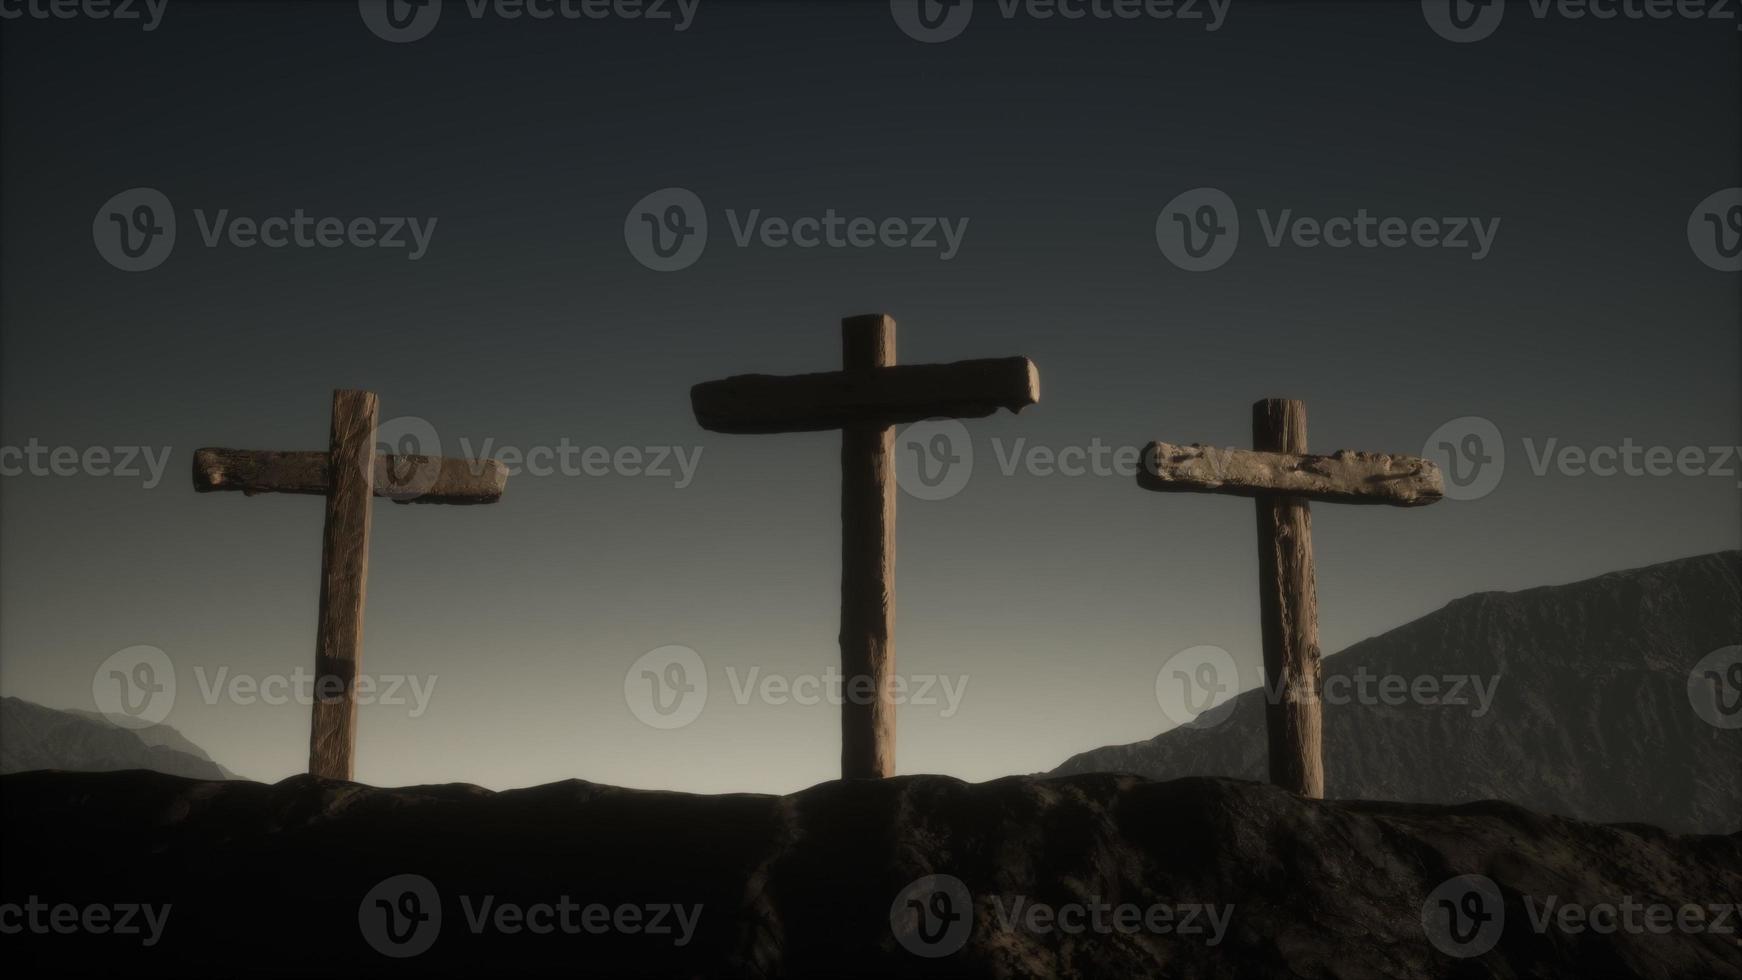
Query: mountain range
<point x="35" y="737"/>
<point x="1588" y="710"/>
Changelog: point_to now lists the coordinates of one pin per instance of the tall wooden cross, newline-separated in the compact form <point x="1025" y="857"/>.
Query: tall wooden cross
<point x="1283" y="477"/>
<point x="865" y="399"/>
<point x="349" y="474"/>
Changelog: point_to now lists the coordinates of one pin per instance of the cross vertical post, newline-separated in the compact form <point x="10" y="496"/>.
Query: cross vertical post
<point x="332" y="747"/>
<point x="867" y="564"/>
<point x="1289" y="611"/>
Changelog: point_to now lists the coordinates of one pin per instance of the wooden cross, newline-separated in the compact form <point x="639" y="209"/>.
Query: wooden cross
<point x="349" y="474"/>
<point x="865" y="399"/>
<point x="1281" y="475"/>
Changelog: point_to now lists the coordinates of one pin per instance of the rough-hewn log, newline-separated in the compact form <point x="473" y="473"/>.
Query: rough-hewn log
<point x="1289" y="612"/>
<point x="888" y="395"/>
<point x="867" y="565"/>
<point x="1344" y="477"/>
<point x="344" y="576"/>
<point x="457" y="481"/>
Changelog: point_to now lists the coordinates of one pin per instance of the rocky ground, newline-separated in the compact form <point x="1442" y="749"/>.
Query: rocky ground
<point x="1078" y="876"/>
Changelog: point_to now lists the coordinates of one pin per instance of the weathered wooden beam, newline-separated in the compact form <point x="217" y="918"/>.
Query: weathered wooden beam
<point x="332" y="746"/>
<point x="886" y="395"/>
<point x="867" y="565"/>
<point x="1344" y="477"/>
<point x="457" y="481"/>
<point x="1288" y="603"/>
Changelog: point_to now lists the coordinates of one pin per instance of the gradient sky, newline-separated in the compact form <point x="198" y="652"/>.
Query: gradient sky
<point x="529" y="322"/>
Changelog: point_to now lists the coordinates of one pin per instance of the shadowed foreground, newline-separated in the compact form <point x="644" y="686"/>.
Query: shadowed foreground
<point x="282" y="880"/>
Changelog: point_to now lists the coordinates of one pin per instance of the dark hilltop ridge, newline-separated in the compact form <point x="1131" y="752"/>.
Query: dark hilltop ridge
<point x="1089" y="875"/>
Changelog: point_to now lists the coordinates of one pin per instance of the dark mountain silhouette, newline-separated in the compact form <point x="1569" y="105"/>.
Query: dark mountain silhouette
<point x="35" y="737"/>
<point x="1591" y="715"/>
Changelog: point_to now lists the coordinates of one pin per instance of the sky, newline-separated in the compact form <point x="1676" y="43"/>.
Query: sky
<point x="1024" y="185"/>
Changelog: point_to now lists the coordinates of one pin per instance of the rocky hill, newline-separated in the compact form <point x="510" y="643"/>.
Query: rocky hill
<point x="1080" y="876"/>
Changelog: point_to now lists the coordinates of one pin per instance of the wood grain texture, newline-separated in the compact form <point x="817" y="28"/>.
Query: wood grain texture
<point x="404" y="478"/>
<point x="886" y="395"/>
<point x="344" y="578"/>
<point x="1344" y="477"/>
<point x="1289" y="616"/>
<point x="867" y="564"/>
